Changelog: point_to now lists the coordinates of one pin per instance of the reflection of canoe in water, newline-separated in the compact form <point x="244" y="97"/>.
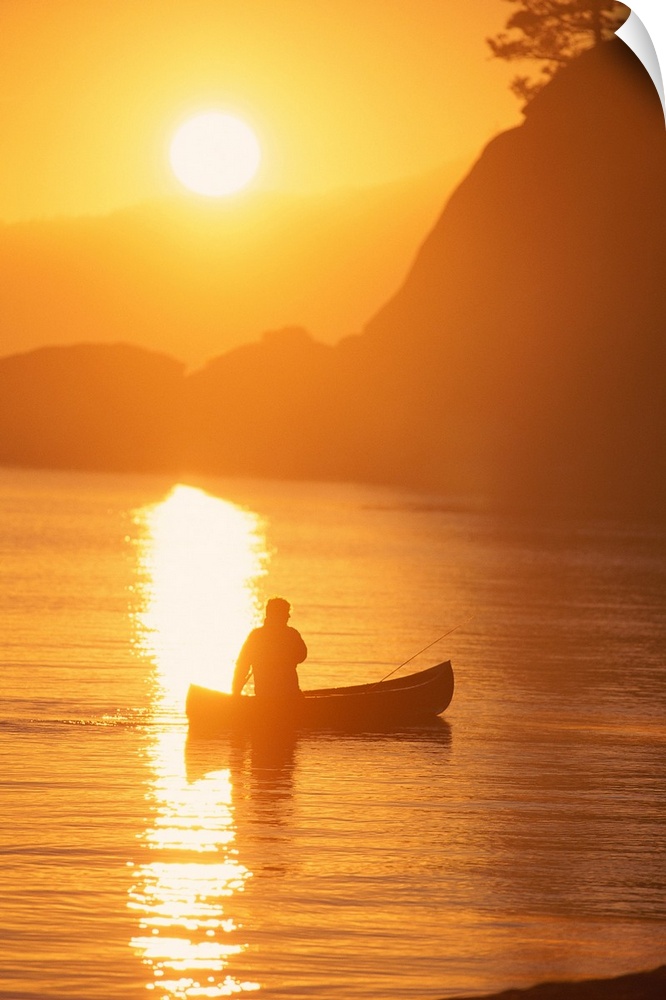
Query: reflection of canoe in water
<point x="415" y="698"/>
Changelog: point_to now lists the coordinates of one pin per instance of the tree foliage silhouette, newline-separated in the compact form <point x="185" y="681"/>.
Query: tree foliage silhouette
<point x="553" y="32"/>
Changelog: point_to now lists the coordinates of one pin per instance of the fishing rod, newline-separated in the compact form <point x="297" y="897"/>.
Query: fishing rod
<point x="434" y="641"/>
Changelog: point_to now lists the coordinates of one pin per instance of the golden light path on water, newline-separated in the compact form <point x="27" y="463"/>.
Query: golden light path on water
<point x="201" y="559"/>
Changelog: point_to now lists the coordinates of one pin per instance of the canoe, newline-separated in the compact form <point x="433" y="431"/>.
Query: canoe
<point x="397" y="701"/>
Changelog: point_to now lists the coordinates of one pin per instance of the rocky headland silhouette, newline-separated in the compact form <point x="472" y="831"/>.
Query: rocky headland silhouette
<point x="522" y="359"/>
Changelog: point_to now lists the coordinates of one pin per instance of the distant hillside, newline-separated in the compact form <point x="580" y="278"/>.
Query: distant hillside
<point x="91" y="406"/>
<point x="196" y="277"/>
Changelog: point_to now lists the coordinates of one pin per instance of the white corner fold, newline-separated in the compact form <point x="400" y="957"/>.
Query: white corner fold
<point x="635" y="34"/>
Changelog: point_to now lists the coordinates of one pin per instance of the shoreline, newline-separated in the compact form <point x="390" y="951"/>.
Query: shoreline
<point x="632" y="986"/>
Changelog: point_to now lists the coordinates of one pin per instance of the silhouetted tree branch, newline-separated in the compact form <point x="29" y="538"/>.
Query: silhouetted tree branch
<point x="552" y="33"/>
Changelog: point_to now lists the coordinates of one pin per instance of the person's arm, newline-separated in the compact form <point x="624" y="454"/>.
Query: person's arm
<point x="243" y="667"/>
<point x="300" y="649"/>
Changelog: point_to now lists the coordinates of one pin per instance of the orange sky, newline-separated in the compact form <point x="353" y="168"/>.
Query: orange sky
<point x="340" y="92"/>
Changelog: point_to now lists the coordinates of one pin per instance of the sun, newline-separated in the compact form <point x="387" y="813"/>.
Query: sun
<point x="214" y="154"/>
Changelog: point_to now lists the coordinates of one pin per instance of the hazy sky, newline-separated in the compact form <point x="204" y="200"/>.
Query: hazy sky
<point x="340" y="92"/>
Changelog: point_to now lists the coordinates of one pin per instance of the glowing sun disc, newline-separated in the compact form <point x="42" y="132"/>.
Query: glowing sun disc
<point x="214" y="154"/>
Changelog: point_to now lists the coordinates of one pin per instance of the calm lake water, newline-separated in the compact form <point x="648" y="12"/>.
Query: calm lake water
<point x="521" y="839"/>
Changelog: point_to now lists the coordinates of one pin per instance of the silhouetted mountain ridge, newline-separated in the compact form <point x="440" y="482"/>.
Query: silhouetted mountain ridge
<point x="522" y="359"/>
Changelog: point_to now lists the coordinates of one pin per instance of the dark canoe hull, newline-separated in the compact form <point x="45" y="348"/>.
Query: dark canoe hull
<point x="411" y="699"/>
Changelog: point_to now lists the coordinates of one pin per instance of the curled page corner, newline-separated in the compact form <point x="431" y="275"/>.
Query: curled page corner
<point x="634" y="33"/>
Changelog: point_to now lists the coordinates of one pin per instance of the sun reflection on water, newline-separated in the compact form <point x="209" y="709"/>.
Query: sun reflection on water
<point x="185" y="936"/>
<point x="200" y="562"/>
<point x="201" y="559"/>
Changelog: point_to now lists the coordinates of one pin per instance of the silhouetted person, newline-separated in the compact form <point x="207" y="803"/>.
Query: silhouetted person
<point x="272" y="652"/>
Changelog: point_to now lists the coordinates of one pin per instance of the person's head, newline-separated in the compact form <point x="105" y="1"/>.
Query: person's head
<point x="278" y="611"/>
